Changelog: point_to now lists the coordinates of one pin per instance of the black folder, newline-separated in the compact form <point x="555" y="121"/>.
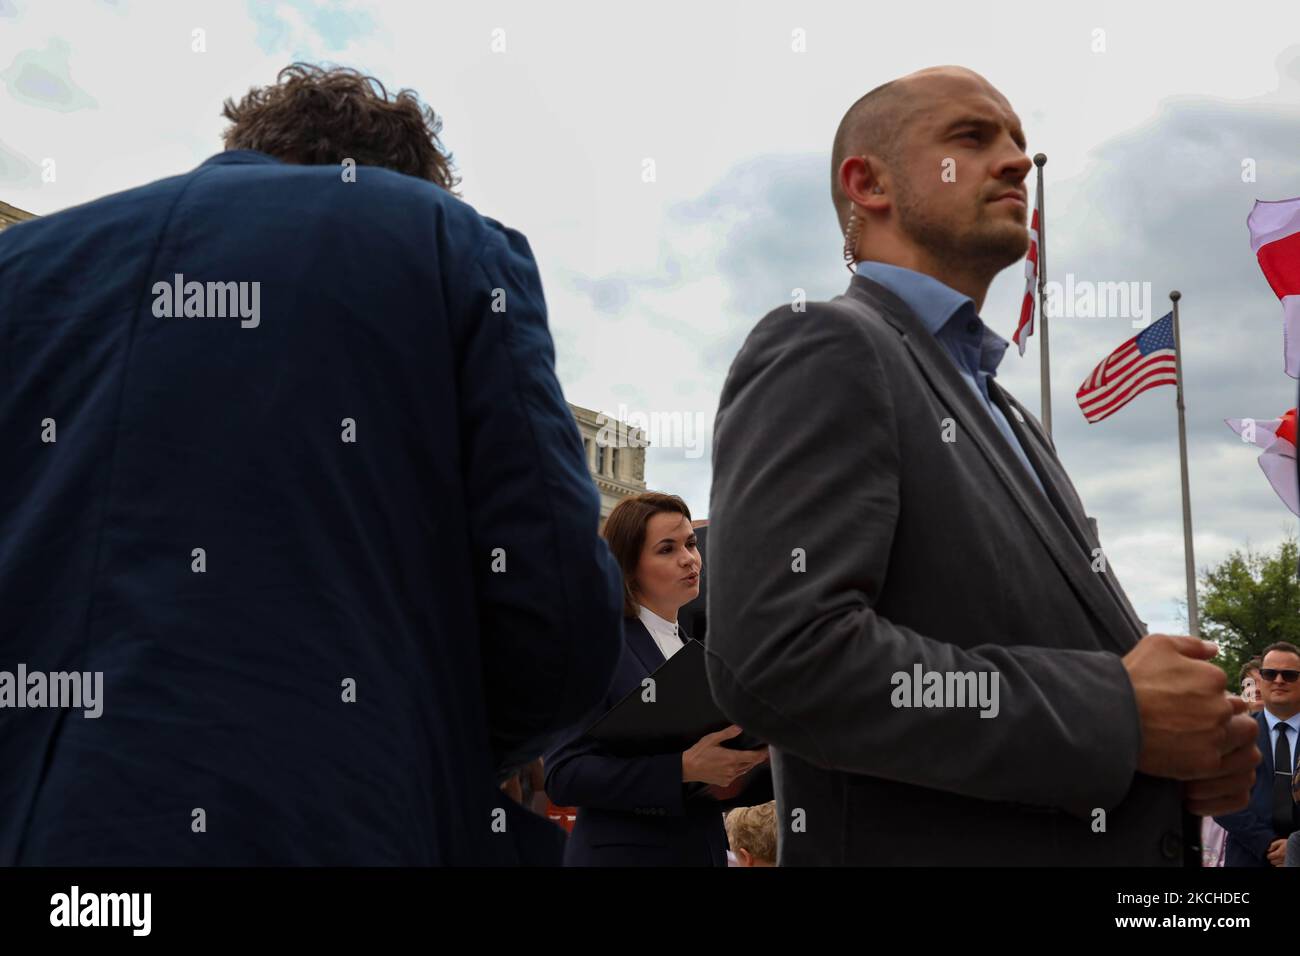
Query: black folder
<point x="681" y="713"/>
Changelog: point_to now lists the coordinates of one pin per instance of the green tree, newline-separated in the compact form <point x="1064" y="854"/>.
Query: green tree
<point x="1249" y="601"/>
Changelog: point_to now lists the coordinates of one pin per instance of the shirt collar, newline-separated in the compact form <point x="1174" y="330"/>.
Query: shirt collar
<point x="655" y="624"/>
<point x="937" y="305"/>
<point x="933" y="302"/>
<point x="1293" y="722"/>
<point x="232" y="156"/>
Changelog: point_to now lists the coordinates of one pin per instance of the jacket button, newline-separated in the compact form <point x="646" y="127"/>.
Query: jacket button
<point x="1171" y="846"/>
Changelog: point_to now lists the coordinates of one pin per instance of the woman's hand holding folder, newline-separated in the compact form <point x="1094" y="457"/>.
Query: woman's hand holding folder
<point x="707" y="761"/>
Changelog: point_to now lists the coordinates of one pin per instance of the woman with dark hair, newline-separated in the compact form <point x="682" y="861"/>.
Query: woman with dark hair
<point x="655" y="810"/>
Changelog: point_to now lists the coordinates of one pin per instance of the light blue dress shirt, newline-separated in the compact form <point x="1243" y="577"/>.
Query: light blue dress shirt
<point x="975" y="349"/>
<point x="1292" y="736"/>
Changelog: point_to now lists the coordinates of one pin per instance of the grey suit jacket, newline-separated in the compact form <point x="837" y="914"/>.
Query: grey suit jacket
<point x="849" y="542"/>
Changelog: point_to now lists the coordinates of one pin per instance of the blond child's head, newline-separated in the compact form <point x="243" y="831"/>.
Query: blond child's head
<point x="751" y="831"/>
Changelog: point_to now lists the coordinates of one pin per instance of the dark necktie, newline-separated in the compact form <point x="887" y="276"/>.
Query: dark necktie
<point x="1283" y="804"/>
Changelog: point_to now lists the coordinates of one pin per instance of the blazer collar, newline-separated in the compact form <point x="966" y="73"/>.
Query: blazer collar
<point x="237" y="156"/>
<point x="642" y="644"/>
<point x="1050" y="516"/>
<point x="1265" y="744"/>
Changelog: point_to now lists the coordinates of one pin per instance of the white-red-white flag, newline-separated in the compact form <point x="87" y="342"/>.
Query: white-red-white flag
<point x="1275" y="240"/>
<point x="1277" y="437"/>
<point x="1026" y="326"/>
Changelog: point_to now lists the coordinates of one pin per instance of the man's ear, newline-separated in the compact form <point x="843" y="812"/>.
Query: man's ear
<point x="862" y="181"/>
<point x="743" y="857"/>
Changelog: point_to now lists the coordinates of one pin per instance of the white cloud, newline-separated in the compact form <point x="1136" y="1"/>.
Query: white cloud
<point x="648" y="300"/>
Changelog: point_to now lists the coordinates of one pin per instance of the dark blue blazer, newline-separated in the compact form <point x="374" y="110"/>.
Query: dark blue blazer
<point x="445" y="563"/>
<point x="1250" y="831"/>
<point x="633" y="811"/>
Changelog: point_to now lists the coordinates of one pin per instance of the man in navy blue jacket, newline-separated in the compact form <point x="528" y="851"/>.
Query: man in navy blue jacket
<point x="298" y="551"/>
<point x="1257" y="835"/>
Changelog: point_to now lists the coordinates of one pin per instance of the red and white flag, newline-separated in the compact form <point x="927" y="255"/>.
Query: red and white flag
<point x="1026" y="326"/>
<point x="1275" y="240"/>
<point x="1277" y="437"/>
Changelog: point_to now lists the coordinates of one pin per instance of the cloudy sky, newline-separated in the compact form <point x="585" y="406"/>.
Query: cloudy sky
<point x="1146" y="112"/>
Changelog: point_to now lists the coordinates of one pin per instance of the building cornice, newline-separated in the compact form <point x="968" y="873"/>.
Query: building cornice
<point x="12" y="214"/>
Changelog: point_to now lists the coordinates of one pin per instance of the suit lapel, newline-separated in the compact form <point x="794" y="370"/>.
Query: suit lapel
<point x="1266" y="746"/>
<point x="643" y="645"/>
<point x="1043" y="517"/>
<point x="1042" y="456"/>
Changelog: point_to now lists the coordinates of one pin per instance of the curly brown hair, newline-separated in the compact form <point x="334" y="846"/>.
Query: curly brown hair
<point x="317" y="116"/>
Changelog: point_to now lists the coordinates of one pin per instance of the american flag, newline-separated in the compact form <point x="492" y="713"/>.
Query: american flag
<point x="1143" y="362"/>
<point x="1026" y="326"/>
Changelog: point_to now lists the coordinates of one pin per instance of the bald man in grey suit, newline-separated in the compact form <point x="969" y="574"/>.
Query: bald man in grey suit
<point x="907" y="598"/>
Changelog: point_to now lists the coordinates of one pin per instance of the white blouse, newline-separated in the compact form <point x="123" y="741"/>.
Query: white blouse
<point x="664" y="632"/>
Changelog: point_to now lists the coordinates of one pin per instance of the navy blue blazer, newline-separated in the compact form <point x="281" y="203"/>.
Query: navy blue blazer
<point x="1250" y="831"/>
<point x="374" y="490"/>
<point x="633" y="811"/>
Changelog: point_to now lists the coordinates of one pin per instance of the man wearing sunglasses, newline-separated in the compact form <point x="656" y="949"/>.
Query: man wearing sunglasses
<point x="1257" y="836"/>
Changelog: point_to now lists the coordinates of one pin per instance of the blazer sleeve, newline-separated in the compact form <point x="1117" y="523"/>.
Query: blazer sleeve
<point x="806" y="462"/>
<point x="581" y="774"/>
<point x="547" y="588"/>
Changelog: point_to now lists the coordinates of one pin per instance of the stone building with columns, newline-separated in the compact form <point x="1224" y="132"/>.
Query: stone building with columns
<point x="615" y="456"/>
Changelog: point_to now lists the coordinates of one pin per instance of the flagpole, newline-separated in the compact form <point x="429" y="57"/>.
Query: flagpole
<point x="1044" y="367"/>
<point x="1193" y="623"/>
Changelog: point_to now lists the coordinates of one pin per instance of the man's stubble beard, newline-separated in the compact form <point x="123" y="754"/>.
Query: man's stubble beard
<point x="984" y="248"/>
